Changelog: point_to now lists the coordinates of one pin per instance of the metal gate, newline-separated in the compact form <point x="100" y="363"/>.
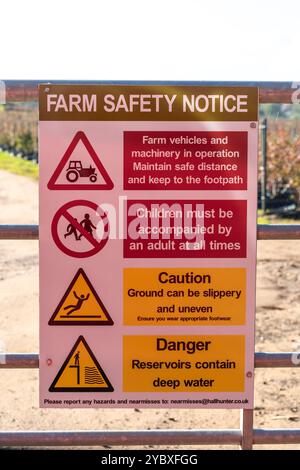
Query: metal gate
<point x="246" y="436"/>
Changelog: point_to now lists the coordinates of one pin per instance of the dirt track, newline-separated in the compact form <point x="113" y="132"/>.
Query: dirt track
<point x="277" y="401"/>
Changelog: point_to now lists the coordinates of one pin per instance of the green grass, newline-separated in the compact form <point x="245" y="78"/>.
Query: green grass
<point x="263" y="220"/>
<point x="19" y="166"/>
<point x="273" y="219"/>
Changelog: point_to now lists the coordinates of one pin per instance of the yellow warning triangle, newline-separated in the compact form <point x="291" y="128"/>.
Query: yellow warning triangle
<point x="81" y="305"/>
<point x="81" y="372"/>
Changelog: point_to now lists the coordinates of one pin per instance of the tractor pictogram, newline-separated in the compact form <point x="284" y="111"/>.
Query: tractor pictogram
<point x="75" y="170"/>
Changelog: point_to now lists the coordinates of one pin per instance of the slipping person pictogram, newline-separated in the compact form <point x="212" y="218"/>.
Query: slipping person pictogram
<point x="80" y="300"/>
<point x="81" y="304"/>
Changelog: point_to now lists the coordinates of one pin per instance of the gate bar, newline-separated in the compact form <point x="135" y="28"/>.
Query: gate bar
<point x="262" y="360"/>
<point x="269" y="92"/>
<point x="142" y="438"/>
<point x="276" y="436"/>
<point x="264" y="232"/>
<point x="119" y="438"/>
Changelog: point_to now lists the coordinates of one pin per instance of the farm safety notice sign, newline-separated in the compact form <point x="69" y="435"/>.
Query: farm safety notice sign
<point x="148" y="200"/>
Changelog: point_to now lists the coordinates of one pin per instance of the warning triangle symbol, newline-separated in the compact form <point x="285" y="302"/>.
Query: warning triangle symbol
<point x="80" y="168"/>
<point x="81" y="372"/>
<point x="81" y="305"/>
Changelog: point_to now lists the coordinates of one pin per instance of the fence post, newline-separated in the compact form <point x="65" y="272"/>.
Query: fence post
<point x="246" y="423"/>
<point x="264" y="165"/>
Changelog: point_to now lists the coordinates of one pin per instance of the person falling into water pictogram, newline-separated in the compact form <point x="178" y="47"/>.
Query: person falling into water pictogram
<point x="76" y="358"/>
<point x="88" y="225"/>
<point x="72" y="230"/>
<point x="80" y="300"/>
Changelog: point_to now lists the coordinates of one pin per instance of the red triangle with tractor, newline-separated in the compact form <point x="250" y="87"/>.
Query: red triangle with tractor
<point x="80" y="168"/>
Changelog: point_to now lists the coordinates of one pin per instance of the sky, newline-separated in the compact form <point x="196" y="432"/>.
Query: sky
<point x="150" y="40"/>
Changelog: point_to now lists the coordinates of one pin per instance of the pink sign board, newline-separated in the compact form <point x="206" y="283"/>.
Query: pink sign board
<point x="148" y="200"/>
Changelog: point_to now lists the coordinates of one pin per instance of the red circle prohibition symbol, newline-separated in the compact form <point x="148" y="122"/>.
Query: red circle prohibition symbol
<point x="63" y="212"/>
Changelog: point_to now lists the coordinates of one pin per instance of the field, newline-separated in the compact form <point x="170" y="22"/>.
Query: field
<point x="18" y="129"/>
